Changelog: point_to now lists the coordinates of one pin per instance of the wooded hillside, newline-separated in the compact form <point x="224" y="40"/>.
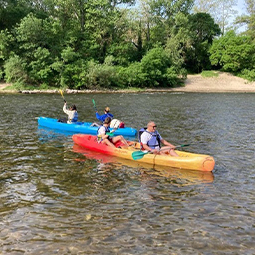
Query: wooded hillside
<point x="102" y="43"/>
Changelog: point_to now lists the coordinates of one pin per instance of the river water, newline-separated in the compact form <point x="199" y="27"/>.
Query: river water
<point x="57" y="199"/>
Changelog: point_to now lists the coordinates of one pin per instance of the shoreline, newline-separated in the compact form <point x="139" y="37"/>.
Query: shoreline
<point x="224" y="83"/>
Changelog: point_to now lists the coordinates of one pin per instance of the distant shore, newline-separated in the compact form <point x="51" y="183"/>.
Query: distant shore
<point x="224" y="83"/>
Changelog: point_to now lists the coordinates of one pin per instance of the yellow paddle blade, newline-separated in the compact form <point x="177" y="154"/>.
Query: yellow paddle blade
<point x="61" y="92"/>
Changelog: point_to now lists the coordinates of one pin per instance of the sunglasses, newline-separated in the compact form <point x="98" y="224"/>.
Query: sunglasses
<point x="154" y="126"/>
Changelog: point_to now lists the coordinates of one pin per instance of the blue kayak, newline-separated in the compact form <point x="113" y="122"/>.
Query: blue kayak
<point x="81" y="127"/>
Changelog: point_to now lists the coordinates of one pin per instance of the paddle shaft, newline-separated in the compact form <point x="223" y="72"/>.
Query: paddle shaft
<point x="140" y="154"/>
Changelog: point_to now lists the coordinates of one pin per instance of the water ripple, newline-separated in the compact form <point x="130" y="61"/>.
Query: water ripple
<point x="56" y="200"/>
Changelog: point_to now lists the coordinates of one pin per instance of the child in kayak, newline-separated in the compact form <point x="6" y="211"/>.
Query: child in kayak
<point x="105" y="115"/>
<point x="105" y="138"/>
<point x="72" y="113"/>
<point x="114" y="124"/>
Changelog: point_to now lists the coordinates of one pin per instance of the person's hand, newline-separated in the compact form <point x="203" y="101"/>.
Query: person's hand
<point x="154" y="151"/>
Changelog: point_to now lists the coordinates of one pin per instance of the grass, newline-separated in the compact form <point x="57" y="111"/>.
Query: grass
<point x="207" y="74"/>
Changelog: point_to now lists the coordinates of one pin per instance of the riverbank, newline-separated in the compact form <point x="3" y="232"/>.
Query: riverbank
<point x="224" y="83"/>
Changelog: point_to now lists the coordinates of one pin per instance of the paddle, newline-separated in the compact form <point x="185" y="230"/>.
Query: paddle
<point x="110" y="133"/>
<point x="61" y="92"/>
<point x="94" y="103"/>
<point x="139" y="154"/>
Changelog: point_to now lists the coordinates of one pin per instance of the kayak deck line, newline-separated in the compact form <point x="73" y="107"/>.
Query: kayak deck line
<point x="186" y="160"/>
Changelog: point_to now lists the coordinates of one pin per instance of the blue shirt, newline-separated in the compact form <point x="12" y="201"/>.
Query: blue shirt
<point x="104" y="116"/>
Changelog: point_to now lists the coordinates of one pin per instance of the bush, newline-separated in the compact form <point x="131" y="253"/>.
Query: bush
<point x="131" y="76"/>
<point x="248" y="74"/>
<point x="40" y="71"/>
<point x="172" y="78"/>
<point x="158" y="70"/>
<point x="100" y="75"/>
<point x="233" y="53"/>
<point x="14" y="69"/>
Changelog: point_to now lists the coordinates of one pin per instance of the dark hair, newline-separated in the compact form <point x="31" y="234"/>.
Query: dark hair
<point x="107" y="120"/>
<point x="73" y="108"/>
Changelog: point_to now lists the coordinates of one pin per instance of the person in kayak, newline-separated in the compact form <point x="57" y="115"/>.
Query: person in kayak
<point x="105" y="115"/>
<point x="151" y="139"/>
<point x="105" y="138"/>
<point x="72" y="113"/>
<point x="102" y="117"/>
<point x="114" y="124"/>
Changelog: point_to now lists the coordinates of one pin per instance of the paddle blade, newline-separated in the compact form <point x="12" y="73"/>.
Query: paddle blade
<point x="139" y="154"/>
<point x="94" y="103"/>
<point x="110" y="134"/>
<point x="61" y="92"/>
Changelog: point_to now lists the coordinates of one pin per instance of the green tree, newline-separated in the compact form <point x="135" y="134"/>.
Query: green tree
<point x="155" y="20"/>
<point x="248" y="19"/>
<point x="38" y="43"/>
<point x="222" y="11"/>
<point x="15" y="70"/>
<point x="202" y="32"/>
<point x="233" y="53"/>
<point x="13" y="11"/>
<point x="179" y="41"/>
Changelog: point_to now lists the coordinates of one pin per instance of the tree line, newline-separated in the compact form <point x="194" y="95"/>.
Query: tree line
<point x="85" y="44"/>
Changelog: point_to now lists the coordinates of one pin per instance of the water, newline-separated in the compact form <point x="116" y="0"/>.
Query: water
<point x="56" y="200"/>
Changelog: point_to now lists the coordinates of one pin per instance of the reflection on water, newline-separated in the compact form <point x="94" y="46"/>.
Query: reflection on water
<point x="56" y="199"/>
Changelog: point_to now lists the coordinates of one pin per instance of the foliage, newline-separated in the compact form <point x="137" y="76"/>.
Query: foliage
<point x="248" y="19"/>
<point x="11" y="12"/>
<point x="154" y="70"/>
<point x="14" y="69"/>
<point x="131" y="76"/>
<point x="209" y="74"/>
<point x="202" y="31"/>
<point x="233" y="53"/>
<point x="90" y="44"/>
<point x="7" y="43"/>
<point x="222" y="11"/>
<point x="99" y="75"/>
<point x="248" y="74"/>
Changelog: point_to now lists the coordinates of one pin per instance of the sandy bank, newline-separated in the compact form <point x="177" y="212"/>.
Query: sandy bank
<point x="225" y="82"/>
